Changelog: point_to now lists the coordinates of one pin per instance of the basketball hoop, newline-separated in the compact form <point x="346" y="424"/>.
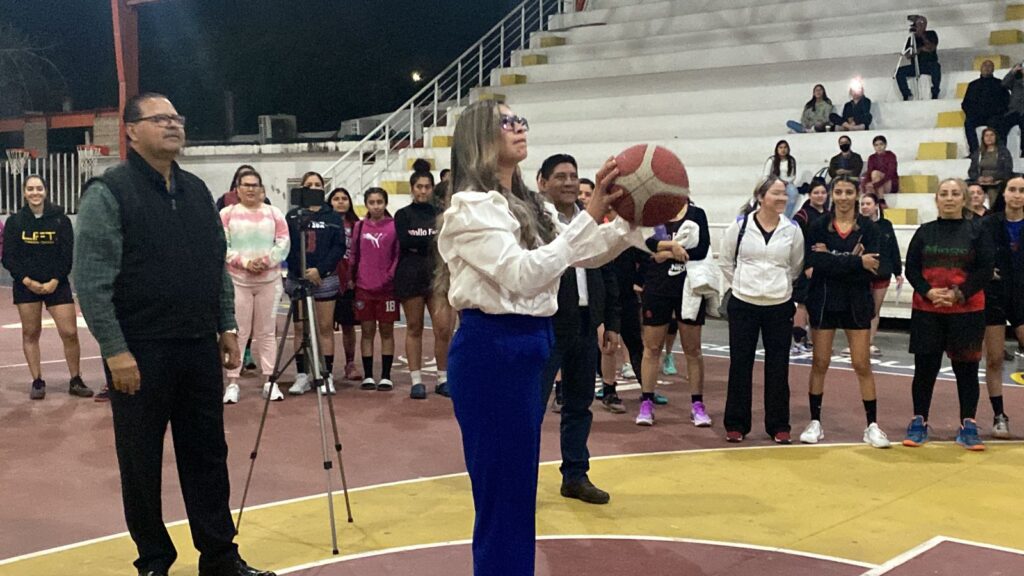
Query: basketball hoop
<point x="17" y="160"/>
<point x="88" y="155"/>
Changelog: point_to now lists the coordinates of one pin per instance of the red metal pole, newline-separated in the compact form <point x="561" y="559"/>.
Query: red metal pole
<point x="126" y="50"/>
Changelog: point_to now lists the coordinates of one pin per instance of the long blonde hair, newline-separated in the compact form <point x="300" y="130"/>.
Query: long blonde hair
<point x="474" y="166"/>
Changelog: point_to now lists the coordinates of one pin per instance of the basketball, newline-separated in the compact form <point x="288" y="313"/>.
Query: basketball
<point x="654" y="184"/>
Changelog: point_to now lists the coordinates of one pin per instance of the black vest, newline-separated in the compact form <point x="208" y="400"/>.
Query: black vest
<point x="172" y="263"/>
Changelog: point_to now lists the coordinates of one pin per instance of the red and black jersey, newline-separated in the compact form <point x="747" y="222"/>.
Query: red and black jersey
<point x="947" y="254"/>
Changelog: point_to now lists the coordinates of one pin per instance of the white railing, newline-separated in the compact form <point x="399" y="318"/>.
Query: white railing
<point x="63" y="177"/>
<point x="410" y="125"/>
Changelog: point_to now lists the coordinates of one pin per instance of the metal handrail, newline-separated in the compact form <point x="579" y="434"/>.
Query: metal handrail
<point x="377" y="151"/>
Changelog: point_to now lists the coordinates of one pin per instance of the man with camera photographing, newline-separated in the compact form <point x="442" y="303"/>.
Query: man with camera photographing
<point x="151" y="279"/>
<point x="922" y="47"/>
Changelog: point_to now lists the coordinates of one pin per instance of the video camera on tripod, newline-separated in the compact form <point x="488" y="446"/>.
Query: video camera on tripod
<point x="302" y="310"/>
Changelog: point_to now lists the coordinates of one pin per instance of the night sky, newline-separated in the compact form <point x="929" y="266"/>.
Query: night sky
<point x="321" y="60"/>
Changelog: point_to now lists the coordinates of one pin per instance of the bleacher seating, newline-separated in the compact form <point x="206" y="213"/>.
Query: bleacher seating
<point x="716" y="80"/>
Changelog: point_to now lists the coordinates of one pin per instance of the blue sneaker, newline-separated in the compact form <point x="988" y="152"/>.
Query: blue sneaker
<point x="917" y="433"/>
<point x="660" y="400"/>
<point x="968" y="436"/>
<point x="668" y="366"/>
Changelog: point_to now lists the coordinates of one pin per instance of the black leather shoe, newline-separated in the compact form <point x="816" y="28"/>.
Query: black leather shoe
<point x="244" y="569"/>
<point x="584" y="490"/>
<point x="152" y="573"/>
<point x="241" y="569"/>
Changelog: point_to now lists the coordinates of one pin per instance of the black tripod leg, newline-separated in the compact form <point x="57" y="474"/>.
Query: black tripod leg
<point x="341" y="463"/>
<point x="278" y="370"/>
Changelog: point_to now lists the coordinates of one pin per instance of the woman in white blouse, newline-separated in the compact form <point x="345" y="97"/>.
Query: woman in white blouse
<point x="504" y="254"/>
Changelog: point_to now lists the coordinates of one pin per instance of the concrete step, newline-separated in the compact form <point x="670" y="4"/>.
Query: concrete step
<point x="616" y="40"/>
<point x="678" y="14"/>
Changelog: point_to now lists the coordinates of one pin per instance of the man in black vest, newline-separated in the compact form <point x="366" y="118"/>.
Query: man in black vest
<point x="586" y="299"/>
<point x="151" y="281"/>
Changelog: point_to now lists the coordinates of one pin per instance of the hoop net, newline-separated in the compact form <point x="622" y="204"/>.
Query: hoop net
<point x="88" y="155"/>
<point x="17" y="160"/>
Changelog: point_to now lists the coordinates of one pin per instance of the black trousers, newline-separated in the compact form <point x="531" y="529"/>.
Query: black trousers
<point x="972" y="124"/>
<point x="575" y="353"/>
<point x="632" y="331"/>
<point x="182" y="385"/>
<point x="1009" y="121"/>
<point x="774" y="324"/>
<point x="933" y="69"/>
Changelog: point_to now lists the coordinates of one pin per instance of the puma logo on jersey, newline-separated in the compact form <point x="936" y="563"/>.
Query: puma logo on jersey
<point x="374" y="238"/>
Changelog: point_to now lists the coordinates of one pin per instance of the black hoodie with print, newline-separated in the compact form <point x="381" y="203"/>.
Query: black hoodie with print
<point x="39" y="248"/>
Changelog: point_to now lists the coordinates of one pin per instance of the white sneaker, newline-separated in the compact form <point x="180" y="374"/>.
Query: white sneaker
<point x="813" y="433"/>
<point x="875" y="351"/>
<point x="301" y="385"/>
<point x="274" y="391"/>
<point x="845" y="352"/>
<point x="874" y="437"/>
<point x="627" y="371"/>
<point x="231" y="394"/>
<point x="330" y="385"/>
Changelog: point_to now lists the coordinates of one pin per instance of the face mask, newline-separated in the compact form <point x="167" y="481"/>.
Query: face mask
<point x="844" y="147"/>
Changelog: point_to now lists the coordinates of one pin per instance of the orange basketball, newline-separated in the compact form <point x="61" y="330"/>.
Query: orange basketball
<point x="654" y="183"/>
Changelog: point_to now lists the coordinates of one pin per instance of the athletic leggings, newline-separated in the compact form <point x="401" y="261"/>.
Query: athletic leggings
<point x="256" y="313"/>
<point x="926" y="370"/>
<point x="494" y="370"/>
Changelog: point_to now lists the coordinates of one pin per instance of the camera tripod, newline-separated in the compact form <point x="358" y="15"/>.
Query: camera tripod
<point x="301" y="309"/>
<point x="910" y="51"/>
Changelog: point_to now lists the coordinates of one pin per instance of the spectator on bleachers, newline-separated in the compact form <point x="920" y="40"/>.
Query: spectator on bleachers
<point x="38" y="249"/>
<point x="927" y="58"/>
<point x="782" y="165"/>
<point x="882" y="176"/>
<point x="817" y="111"/>
<point x="1014" y="82"/>
<point x="991" y="164"/>
<point x="856" y="113"/>
<point x="984" y="104"/>
<point x="847" y="162"/>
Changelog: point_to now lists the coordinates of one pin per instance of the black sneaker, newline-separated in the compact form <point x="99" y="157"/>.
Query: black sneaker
<point x="152" y="573"/>
<point x="613" y="403"/>
<point x="584" y="490"/>
<point x="38" y="390"/>
<point x="418" y="392"/>
<point x="78" y="388"/>
<point x="442" y="390"/>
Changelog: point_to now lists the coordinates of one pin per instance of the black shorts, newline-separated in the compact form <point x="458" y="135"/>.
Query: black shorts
<point x="958" y="335"/>
<point x="344" y="314"/>
<point x="414" y="276"/>
<point x="661" y="310"/>
<point x="840" y="320"/>
<point x="999" y="310"/>
<point x="62" y="295"/>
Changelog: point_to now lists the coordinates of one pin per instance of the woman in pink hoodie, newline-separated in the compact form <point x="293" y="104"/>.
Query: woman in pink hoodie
<point x="374" y="259"/>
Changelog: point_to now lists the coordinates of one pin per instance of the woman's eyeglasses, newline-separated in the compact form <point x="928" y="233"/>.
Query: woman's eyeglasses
<point x="508" y="123"/>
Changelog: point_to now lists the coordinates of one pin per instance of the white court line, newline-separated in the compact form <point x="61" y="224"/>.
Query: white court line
<point x="458" y="474"/>
<point x="628" y="537"/>
<point x="929" y="545"/>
